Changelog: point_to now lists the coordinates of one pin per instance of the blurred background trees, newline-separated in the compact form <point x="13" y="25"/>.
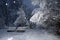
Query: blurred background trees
<point x="8" y="10"/>
<point x="50" y="9"/>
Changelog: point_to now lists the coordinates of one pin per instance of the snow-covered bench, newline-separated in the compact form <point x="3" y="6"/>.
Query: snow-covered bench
<point x="21" y="29"/>
<point x="17" y="29"/>
<point x="11" y="29"/>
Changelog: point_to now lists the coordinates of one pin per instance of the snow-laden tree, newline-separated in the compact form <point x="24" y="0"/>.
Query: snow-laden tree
<point x="48" y="15"/>
<point x="53" y="20"/>
<point x="21" y="20"/>
<point x="38" y="13"/>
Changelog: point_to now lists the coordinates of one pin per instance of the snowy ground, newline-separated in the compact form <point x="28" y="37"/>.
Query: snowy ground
<point x="31" y="34"/>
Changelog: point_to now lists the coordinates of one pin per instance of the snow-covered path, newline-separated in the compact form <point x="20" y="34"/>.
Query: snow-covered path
<point x="30" y="34"/>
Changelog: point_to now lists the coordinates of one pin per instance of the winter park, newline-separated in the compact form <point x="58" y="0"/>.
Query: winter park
<point x="29" y="19"/>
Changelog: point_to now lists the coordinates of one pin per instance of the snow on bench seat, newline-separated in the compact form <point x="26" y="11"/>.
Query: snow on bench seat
<point x="21" y="29"/>
<point x="11" y="29"/>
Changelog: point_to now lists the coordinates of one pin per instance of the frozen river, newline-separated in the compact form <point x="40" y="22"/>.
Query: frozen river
<point x="31" y="34"/>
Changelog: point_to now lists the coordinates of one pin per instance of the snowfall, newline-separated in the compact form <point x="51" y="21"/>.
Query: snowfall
<point x="29" y="34"/>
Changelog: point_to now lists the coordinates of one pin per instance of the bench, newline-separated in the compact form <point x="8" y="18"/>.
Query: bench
<point x="11" y="29"/>
<point x="21" y="29"/>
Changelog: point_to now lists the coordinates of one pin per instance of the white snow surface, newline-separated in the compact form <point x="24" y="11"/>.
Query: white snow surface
<point x="31" y="34"/>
